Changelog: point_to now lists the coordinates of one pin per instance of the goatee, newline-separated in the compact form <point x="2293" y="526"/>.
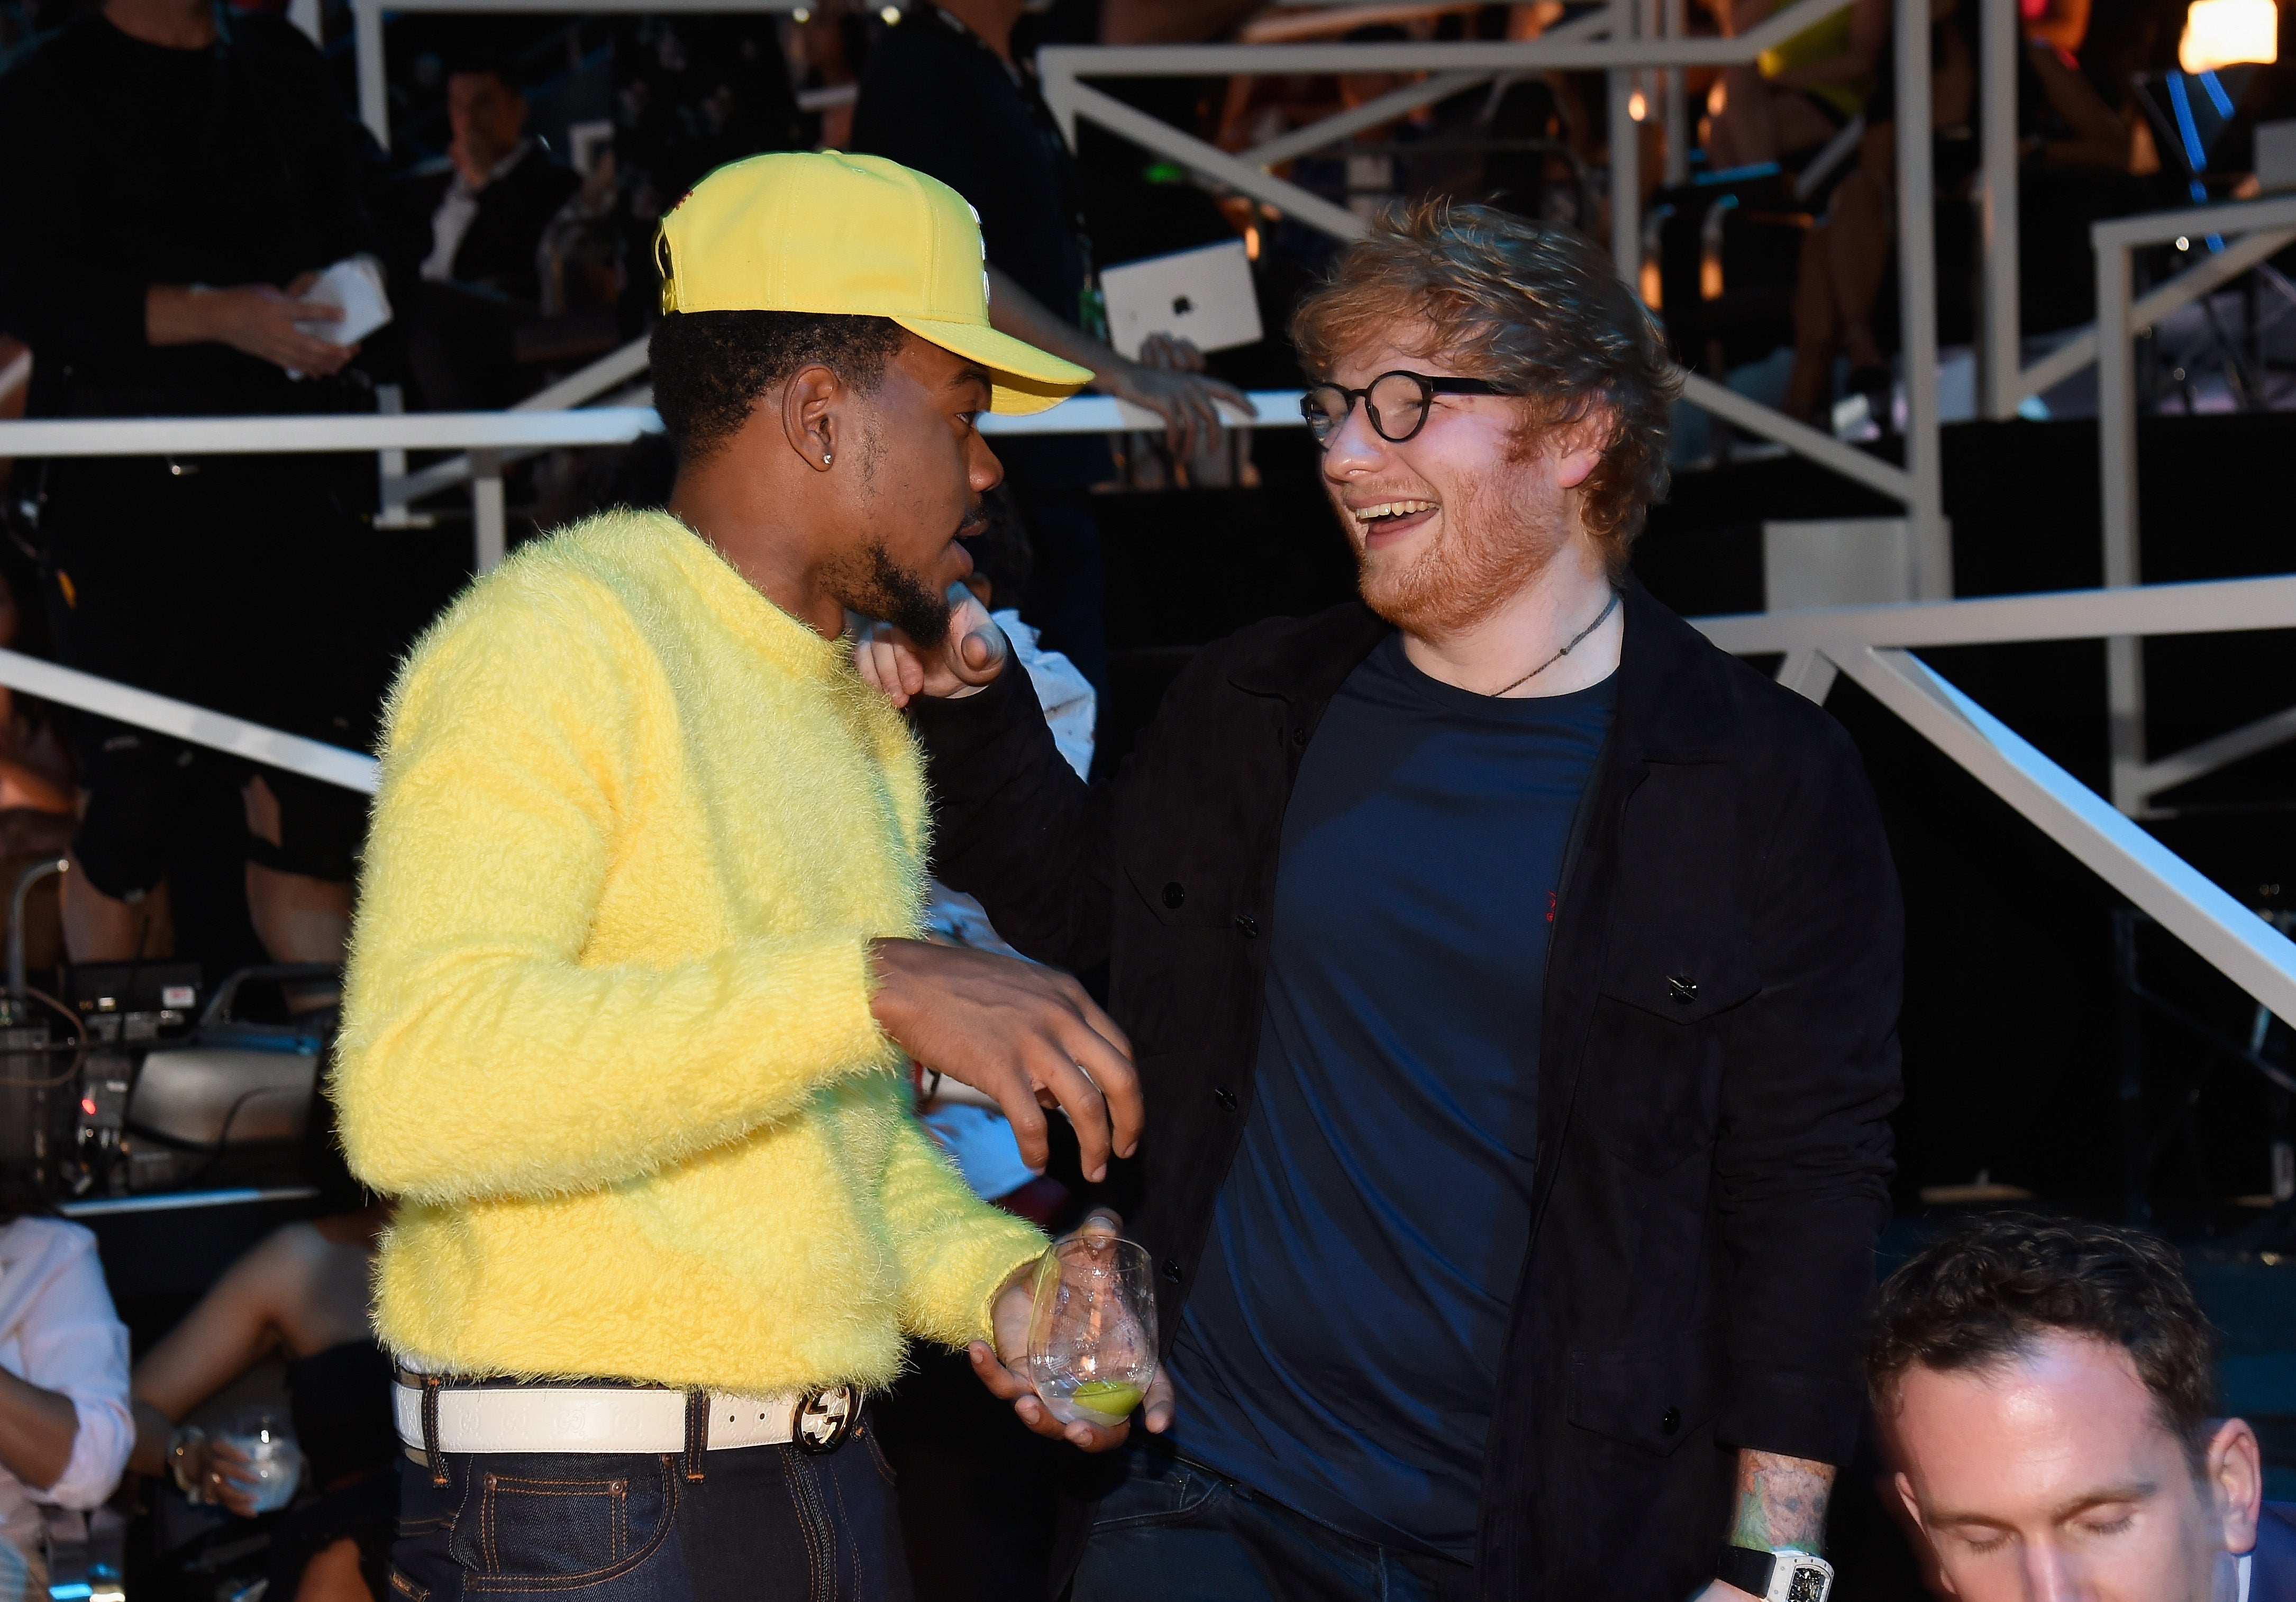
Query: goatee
<point x="875" y="586"/>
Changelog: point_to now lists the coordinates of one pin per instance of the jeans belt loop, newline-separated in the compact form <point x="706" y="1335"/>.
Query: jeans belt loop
<point x="697" y="1434"/>
<point x="437" y="1459"/>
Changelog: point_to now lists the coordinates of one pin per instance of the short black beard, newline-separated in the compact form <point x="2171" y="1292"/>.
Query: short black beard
<point x="885" y="590"/>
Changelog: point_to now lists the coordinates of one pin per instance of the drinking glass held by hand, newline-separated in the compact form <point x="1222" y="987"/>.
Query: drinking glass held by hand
<point x="255" y="1462"/>
<point x="1092" y="1329"/>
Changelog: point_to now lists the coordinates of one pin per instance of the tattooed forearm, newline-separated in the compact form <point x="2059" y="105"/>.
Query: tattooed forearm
<point x="1781" y="1502"/>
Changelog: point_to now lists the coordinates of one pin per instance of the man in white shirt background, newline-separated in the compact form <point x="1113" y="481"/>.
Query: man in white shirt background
<point x="465" y="238"/>
<point x="65" y="1430"/>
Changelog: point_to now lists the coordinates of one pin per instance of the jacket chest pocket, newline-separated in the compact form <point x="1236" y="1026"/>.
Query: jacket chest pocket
<point x="1677" y="964"/>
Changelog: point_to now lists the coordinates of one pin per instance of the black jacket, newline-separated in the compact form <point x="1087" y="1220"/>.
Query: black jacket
<point x="498" y="251"/>
<point x="1718" y="1061"/>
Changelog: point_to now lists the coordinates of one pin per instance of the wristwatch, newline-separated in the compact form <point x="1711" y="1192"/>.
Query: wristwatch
<point x="1783" y="1576"/>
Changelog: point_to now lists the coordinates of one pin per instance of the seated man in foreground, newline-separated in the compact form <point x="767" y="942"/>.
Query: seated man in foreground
<point x="2049" y="1393"/>
<point x="635" y="962"/>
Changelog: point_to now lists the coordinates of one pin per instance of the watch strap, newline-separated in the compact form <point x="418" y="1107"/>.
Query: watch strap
<point x="1749" y="1570"/>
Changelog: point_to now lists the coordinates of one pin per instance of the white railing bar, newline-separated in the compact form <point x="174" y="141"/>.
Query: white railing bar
<point x="2209" y="606"/>
<point x="2221" y="750"/>
<point x="360" y="432"/>
<point x="2238" y="943"/>
<point x="1626" y="155"/>
<point x="1709" y="396"/>
<point x="2000" y="349"/>
<point x="1553" y="49"/>
<point x="1210" y="162"/>
<point x="218" y="731"/>
<point x="1105" y="414"/>
<point x="501" y="431"/>
<point x="1931" y="538"/>
<point x="2159" y="227"/>
<point x="1385" y="108"/>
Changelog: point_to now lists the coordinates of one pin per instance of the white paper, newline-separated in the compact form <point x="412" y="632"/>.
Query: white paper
<point x="353" y="286"/>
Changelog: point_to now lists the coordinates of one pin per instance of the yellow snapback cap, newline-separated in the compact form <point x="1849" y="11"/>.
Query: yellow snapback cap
<point x="853" y="237"/>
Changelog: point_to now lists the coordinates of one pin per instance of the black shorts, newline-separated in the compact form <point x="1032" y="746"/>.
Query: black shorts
<point x="147" y="793"/>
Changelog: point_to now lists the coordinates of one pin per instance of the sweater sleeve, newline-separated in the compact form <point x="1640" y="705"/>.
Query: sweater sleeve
<point x="480" y="1056"/>
<point x="955" y="1249"/>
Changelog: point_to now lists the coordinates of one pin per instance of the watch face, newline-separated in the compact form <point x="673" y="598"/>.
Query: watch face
<point x="1809" y="1583"/>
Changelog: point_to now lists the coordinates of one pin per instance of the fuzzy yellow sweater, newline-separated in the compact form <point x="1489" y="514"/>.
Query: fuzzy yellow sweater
<point x="607" y="1029"/>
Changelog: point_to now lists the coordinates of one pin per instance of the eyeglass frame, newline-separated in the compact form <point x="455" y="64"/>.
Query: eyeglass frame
<point x="1429" y="388"/>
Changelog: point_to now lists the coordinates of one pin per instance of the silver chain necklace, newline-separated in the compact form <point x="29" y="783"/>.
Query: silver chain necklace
<point x="1610" y="607"/>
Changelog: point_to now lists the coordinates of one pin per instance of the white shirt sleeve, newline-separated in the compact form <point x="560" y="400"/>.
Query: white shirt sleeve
<point x="65" y="1337"/>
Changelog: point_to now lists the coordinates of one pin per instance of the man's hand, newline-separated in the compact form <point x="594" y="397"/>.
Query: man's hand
<point x="973" y="653"/>
<point x="1718" y="1590"/>
<point x="255" y="318"/>
<point x="1183" y="399"/>
<point x="1009" y="1316"/>
<point x="1027" y="1037"/>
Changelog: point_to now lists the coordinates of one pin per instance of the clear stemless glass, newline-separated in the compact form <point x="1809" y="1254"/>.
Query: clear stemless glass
<point x="1092" y="1329"/>
<point x="275" y="1460"/>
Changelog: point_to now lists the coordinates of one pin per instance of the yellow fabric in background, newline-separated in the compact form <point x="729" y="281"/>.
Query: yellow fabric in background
<point x="1822" y="40"/>
<point x="606" y="1023"/>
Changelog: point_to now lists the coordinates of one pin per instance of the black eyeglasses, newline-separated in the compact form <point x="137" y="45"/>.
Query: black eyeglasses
<point x="1396" y="403"/>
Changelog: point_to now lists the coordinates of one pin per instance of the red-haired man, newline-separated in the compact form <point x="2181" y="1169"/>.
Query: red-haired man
<point x="1515" y="982"/>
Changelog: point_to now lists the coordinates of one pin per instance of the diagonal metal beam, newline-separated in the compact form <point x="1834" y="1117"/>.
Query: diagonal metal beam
<point x="1385" y="108"/>
<point x="2183" y="767"/>
<point x="2184" y="901"/>
<point x="1213" y="162"/>
<point x="1822" y="448"/>
<point x="2199" y="279"/>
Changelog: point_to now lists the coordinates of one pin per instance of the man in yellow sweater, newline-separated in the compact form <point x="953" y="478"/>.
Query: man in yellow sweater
<point x="632" y="976"/>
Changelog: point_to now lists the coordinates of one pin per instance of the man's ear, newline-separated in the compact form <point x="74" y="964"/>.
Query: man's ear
<point x="1917" y="1535"/>
<point x="1578" y="448"/>
<point x="812" y="405"/>
<point x="2236" y="1479"/>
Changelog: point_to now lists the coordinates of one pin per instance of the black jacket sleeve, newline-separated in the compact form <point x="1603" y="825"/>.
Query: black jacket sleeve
<point x="55" y="294"/>
<point x="1014" y="824"/>
<point x="1802" y="1164"/>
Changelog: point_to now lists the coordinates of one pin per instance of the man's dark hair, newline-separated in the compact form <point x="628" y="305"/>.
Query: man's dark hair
<point x="710" y="368"/>
<point x="1989" y="1290"/>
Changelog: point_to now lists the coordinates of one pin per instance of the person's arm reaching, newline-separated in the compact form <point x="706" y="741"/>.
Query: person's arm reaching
<point x="1014" y="824"/>
<point x="1184" y="400"/>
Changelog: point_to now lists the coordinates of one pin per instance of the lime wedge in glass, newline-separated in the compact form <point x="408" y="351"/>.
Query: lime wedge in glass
<point x="1109" y="1398"/>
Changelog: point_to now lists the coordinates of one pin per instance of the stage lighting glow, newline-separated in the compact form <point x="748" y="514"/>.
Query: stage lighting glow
<point x="1637" y="107"/>
<point x="2219" y="33"/>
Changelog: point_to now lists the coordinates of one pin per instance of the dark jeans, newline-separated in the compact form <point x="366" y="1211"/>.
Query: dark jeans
<point x="1175" y="1531"/>
<point x="765" y="1524"/>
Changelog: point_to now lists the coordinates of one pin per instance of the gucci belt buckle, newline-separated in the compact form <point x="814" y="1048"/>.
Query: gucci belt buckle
<point x="824" y="1419"/>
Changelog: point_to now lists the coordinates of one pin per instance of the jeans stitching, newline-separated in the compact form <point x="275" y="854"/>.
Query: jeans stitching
<point x="493" y="1585"/>
<point x="405" y="1587"/>
<point x="822" y="1580"/>
<point x="841" y="1529"/>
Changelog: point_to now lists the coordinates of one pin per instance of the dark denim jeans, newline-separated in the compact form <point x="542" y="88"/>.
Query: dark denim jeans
<point x="1176" y="1531"/>
<point x="765" y="1524"/>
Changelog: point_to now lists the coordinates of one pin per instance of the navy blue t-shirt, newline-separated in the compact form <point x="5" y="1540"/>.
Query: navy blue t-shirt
<point x="1341" y="1349"/>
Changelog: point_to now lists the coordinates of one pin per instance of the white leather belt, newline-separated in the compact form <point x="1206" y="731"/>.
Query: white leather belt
<point x="614" y="1419"/>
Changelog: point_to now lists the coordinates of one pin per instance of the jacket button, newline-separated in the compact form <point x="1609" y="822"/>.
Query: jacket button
<point x="1172" y="1269"/>
<point x="1681" y="987"/>
<point x="1225" y="1096"/>
<point x="1299" y="735"/>
<point x="1247" y="925"/>
<point x="1672" y="1421"/>
<point x="1176" y="895"/>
